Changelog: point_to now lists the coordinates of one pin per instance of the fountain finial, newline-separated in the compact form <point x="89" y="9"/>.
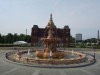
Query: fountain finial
<point x="50" y="23"/>
<point x="51" y="16"/>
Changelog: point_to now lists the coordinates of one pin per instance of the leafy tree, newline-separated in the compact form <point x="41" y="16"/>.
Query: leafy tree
<point x="28" y="38"/>
<point x="9" y="38"/>
<point x="0" y="38"/>
<point x="93" y="40"/>
<point x="72" y="39"/>
<point x="22" y="37"/>
<point x="15" y="37"/>
<point x="3" y="39"/>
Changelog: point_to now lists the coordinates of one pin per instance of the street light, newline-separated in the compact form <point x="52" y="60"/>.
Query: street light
<point x="93" y="52"/>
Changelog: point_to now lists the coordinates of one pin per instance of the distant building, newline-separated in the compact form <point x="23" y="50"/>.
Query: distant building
<point x="20" y="43"/>
<point x="63" y="34"/>
<point x="79" y="37"/>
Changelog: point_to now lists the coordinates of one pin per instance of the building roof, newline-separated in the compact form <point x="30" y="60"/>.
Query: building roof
<point x="19" y="42"/>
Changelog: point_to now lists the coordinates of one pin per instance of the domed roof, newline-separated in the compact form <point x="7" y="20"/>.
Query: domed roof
<point x="66" y="27"/>
<point x="35" y="26"/>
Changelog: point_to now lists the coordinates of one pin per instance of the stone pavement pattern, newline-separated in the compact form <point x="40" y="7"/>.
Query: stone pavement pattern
<point x="7" y="68"/>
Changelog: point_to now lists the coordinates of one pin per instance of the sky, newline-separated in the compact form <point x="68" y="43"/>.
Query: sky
<point x="82" y="16"/>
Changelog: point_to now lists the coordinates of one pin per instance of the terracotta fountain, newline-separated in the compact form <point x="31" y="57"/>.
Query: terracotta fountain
<point x="50" y="44"/>
<point x="50" y="54"/>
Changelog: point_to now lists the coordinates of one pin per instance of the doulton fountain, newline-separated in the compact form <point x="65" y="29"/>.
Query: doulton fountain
<point x="50" y="44"/>
<point x="50" y="54"/>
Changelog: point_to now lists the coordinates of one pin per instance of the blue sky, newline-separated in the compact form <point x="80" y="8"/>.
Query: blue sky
<point x="82" y="16"/>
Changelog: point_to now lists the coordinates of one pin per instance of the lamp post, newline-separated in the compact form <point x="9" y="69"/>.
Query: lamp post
<point x="93" y="52"/>
<point x="26" y="31"/>
<point x="75" y="42"/>
<point x="94" y="55"/>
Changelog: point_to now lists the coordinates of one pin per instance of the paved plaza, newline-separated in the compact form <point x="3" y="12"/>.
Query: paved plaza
<point x="8" y="68"/>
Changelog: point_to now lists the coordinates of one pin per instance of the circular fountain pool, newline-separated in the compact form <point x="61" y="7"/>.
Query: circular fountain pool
<point x="77" y="59"/>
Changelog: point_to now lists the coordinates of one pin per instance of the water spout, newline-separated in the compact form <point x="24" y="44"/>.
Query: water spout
<point x="28" y="52"/>
<point x="50" y="56"/>
<point x="72" y="52"/>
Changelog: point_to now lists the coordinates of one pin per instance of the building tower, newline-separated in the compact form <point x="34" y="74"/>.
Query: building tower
<point x="98" y="38"/>
<point x="26" y="31"/>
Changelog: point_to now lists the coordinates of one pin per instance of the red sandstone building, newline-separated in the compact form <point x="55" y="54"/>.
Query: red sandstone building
<point x="63" y="34"/>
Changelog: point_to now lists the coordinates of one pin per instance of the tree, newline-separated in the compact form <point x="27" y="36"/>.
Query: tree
<point x="15" y="37"/>
<point x="93" y="40"/>
<point x="9" y="38"/>
<point x="22" y="37"/>
<point x="72" y="39"/>
<point x="0" y="38"/>
<point x="28" y="38"/>
<point x="3" y="39"/>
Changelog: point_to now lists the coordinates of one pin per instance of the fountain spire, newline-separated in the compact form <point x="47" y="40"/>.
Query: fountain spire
<point x="51" y="23"/>
<point x="50" y="26"/>
<point x="51" y="16"/>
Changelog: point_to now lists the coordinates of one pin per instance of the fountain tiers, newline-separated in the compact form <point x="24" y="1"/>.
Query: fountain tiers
<point x="50" y="44"/>
<point x="50" y="53"/>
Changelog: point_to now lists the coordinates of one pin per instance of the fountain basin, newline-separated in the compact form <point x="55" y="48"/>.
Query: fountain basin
<point x="68" y="62"/>
<point x="22" y="58"/>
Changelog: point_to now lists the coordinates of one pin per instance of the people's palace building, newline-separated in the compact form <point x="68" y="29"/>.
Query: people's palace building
<point x="63" y="34"/>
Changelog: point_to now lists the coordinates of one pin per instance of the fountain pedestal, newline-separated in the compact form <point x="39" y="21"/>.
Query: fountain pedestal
<point x="41" y="54"/>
